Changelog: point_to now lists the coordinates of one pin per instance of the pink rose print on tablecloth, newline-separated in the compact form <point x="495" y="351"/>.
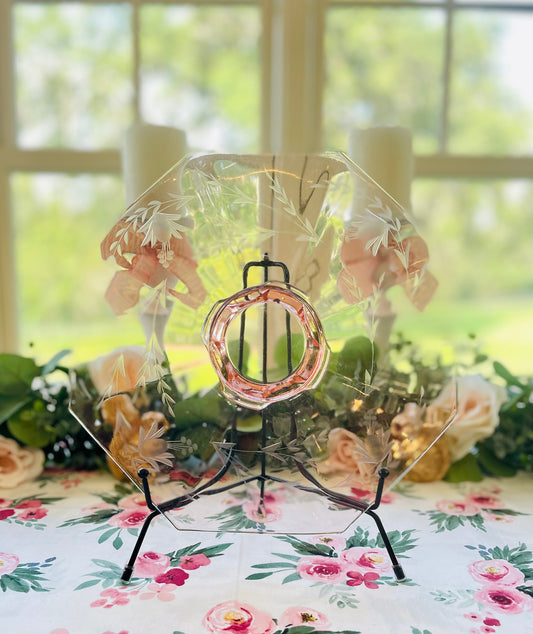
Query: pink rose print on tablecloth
<point x="120" y="510"/>
<point x="112" y="597"/>
<point x="504" y="576"/>
<point x="485" y="501"/>
<point x="161" y="591"/>
<point x="262" y="513"/>
<point x="368" y="579"/>
<point x="155" y="575"/>
<point x="504" y="599"/>
<point x="174" y="576"/>
<point x="303" y="616"/>
<point x="28" y="510"/>
<point x="8" y="563"/>
<point x="340" y="567"/>
<point x="365" y="559"/>
<point x="237" y="617"/>
<point x="22" y="577"/>
<point x="475" y="509"/>
<point x="497" y="571"/>
<point x="458" y="507"/>
<point x="322" y="569"/>
<point x="192" y="562"/>
<point x="150" y="564"/>
<point x="130" y="518"/>
<point x="335" y="542"/>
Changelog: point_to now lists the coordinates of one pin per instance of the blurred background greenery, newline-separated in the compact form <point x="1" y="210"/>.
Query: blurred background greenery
<point x="200" y="70"/>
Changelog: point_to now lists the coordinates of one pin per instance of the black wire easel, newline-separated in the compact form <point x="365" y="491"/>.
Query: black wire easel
<point x="263" y="476"/>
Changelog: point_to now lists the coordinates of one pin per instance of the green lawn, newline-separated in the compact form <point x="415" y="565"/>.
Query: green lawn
<point x="503" y="329"/>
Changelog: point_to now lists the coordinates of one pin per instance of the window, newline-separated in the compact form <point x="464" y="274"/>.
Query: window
<point x="265" y="75"/>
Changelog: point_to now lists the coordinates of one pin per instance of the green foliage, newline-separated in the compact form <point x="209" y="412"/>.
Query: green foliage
<point x="512" y="442"/>
<point x="34" y="411"/>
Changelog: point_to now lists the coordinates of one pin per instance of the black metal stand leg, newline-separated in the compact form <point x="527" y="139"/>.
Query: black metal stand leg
<point x="396" y="566"/>
<point x="128" y="569"/>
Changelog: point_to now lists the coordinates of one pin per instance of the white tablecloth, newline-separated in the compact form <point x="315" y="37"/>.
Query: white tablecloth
<point x="466" y="549"/>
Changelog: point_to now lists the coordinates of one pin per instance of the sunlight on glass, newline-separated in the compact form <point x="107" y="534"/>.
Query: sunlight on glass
<point x="200" y="72"/>
<point x="491" y="108"/>
<point x="73" y="74"/>
<point x="479" y="235"/>
<point x="376" y="75"/>
<point x="62" y="278"/>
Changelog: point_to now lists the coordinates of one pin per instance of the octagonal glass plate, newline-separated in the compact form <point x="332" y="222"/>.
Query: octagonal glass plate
<point x="312" y="227"/>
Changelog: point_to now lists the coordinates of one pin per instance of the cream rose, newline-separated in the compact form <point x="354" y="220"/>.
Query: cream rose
<point x="18" y="464"/>
<point x="118" y="371"/>
<point x="478" y="405"/>
<point x="348" y="454"/>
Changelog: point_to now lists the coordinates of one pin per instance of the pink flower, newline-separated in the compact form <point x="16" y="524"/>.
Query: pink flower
<point x="497" y="571"/>
<point x="32" y="514"/>
<point x="100" y="506"/>
<point x="492" y="622"/>
<point x="303" y="616"/>
<point x="5" y="513"/>
<point x="29" y="504"/>
<point x="261" y="513"/>
<point x="236" y="617"/>
<point x="174" y="576"/>
<point x="8" y="563"/>
<point x="504" y="599"/>
<point x="485" y="629"/>
<point x="485" y="501"/>
<point x="375" y="559"/>
<point x="496" y="517"/>
<point x="458" y="507"/>
<point x="132" y="501"/>
<point x="356" y="579"/>
<point x="473" y="616"/>
<point x="4" y="502"/>
<point x="129" y="518"/>
<point x="163" y="592"/>
<point x="150" y="564"/>
<point x="365" y="494"/>
<point x="322" y="569"/>
<point x="111" y="597"/>
<point x="333" y="541"/>
<point x="192" y="562"/>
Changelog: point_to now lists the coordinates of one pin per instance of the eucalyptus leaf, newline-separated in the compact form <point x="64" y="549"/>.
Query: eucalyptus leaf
<point x="52" y="365"/>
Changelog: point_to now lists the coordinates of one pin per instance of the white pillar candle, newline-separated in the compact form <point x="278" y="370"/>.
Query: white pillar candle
<point x="385" y="154"/>
<point x="148" y="152"/>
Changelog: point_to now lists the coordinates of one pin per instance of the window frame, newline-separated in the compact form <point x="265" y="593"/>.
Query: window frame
<point x="292" y="71"/>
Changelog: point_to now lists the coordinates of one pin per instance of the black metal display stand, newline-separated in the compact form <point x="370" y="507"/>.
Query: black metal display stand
<point x="314" y="486"/>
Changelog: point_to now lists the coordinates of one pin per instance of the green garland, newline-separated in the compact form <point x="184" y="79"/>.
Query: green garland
<point x="34" y="411"/>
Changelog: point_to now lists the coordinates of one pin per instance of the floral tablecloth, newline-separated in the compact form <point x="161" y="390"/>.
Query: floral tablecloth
<point x="467" y="551"/>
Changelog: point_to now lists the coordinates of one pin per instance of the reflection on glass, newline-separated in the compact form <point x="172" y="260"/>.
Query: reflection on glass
<point x="200" y="72"/>
<point x="73" y="74"/>
<point x="491" y="107"/>
<point x="376" y="72"/>
<point x="61" y="278"/>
